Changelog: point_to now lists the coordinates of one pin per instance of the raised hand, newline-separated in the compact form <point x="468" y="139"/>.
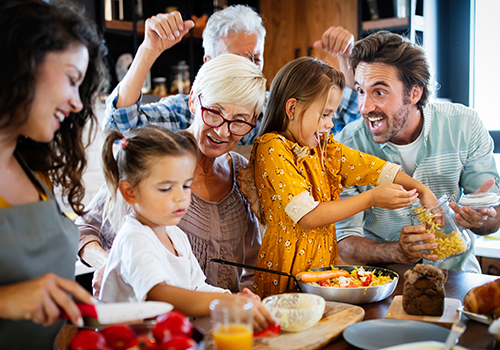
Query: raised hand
<point x="336" y="41"/>
<point x="165" y="30"/>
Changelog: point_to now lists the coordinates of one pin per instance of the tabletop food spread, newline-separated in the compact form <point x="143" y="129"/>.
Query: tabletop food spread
<point x="436" y="305"/>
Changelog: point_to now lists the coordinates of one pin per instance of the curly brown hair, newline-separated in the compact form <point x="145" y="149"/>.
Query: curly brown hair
<point x="30" y="30"/>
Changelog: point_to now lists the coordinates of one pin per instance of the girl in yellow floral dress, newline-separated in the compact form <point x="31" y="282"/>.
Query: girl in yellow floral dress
<point x="297" y="171"/>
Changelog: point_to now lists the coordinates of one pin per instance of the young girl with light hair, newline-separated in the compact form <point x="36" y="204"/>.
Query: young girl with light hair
<point x="151" y="258"/>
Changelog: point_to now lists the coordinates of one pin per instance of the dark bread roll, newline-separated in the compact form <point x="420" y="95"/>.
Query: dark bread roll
<point x="423" y="292"/>
<point x="484" y="299"/>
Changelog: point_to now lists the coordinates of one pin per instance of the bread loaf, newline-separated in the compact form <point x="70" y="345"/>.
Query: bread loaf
<point x="423" y="292"/>
<point x="484" y="299"/>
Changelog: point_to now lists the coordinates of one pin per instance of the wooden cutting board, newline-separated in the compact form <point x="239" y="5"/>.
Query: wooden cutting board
<point x="449" y="316"/>
<point x="336" y="318"/>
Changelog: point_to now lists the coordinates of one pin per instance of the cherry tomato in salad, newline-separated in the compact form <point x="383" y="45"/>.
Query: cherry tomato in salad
<point x="368" y="280"/>
<point x="324" y="284"/>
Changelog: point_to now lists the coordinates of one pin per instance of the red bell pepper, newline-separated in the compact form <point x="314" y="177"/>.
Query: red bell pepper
<point x="271" y="331"/>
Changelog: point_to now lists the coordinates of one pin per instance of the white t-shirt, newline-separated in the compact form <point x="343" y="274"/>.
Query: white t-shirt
<point x="408" y="154"/>
<point x="138" y="261"/>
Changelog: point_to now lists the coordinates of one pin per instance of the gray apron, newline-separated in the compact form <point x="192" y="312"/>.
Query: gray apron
<point x="35" y="239"/>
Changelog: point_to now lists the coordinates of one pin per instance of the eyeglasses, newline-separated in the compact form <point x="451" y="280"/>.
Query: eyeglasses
<point x="214" y="119"/>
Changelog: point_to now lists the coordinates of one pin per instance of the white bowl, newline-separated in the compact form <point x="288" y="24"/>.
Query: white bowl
<point x="295" y="312"/>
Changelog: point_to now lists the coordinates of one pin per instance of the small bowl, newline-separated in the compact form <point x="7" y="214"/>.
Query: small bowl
<point x="295" y="312"/>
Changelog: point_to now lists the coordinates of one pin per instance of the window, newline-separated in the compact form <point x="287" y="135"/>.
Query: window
<point x="485" y="71"/>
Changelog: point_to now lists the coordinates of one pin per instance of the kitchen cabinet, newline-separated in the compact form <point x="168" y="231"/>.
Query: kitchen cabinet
<point x="125" y="36"/>
<point x="294" y="25"/>
<point x="411" y="25"/>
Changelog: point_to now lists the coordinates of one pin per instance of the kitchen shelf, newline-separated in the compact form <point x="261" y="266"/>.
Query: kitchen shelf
<point x="385" y="23"/>
<point x="127" y="26"/>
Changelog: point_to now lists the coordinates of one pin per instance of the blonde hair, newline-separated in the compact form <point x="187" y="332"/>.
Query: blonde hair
<point x="231" y="79"/>
<point x="134" y="160"/>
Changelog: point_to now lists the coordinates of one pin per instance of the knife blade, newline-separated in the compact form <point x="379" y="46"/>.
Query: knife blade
<point x="108" y="313"/>
<point x="456" y="331"/>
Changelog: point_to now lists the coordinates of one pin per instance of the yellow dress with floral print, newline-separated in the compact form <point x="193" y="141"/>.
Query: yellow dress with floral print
<point x="282" y="170"/>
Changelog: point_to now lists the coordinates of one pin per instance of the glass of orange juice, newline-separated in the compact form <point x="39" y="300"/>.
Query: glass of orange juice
<point x="232" y="323"/>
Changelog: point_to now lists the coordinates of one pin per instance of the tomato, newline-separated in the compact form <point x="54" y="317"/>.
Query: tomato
<point x="179" y="342"/>
<point x="118" y="336"/>
<point x="170" y="324"/>
<point x="142" y="342"/>
<point x="324" y="284"/>
<point x="368" y="280"/>
<point x="88" y="340"/>
<point x="271" y="331"/>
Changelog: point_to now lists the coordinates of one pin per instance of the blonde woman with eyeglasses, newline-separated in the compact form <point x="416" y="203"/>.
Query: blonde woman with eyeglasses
<point x="226" y="98"/>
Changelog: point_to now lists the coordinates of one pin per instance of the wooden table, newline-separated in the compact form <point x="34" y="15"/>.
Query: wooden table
<point x="476" y="335"/>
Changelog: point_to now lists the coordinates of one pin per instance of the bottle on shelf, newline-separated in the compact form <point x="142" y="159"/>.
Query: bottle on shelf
<point x="160" y="86"/>
<point x="181" y="84"/>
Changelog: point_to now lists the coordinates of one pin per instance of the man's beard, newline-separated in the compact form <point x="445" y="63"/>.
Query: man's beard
<point x="390" y="131"/>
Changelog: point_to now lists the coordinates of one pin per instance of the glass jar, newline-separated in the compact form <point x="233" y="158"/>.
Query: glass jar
<point x="160" y="85"/>
<point x="452" y="239"/>
<point x="180" y="79"/>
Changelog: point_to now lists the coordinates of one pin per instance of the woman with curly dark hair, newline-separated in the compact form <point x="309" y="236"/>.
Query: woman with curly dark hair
<point x="52" y="69"/>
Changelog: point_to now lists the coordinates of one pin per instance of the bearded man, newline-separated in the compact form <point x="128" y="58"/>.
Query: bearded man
<point x="443" y="145"/>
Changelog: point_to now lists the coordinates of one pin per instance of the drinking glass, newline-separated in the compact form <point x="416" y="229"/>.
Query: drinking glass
<point x="232" y="323"/>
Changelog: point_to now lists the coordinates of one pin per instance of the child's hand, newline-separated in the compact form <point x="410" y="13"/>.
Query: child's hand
<point x="427" y="198"/>
<point x="261" y="317"/>
<point x="392" y="196"/>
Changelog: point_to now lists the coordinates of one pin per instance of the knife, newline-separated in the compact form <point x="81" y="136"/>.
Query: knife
<point x="108" y="313"/>
<point x="456" y="331"/>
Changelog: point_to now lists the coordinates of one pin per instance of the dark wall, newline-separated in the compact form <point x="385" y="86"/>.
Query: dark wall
<point x="90" y="7"/>
<point x="453" y="53"/>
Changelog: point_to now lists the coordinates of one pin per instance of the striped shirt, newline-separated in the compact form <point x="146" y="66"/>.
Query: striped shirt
<point x="455" y="158"/>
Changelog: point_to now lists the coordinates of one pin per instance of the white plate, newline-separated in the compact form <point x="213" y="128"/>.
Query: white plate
<point x="476" y="317"/>
<point x="427" y="345"/>
<point x="378" y="334"/>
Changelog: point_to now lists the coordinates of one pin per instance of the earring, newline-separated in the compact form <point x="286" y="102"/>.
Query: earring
<point x="291" y="117"/>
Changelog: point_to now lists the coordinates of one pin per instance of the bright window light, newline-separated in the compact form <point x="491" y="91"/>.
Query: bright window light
<point x="486" y="71"/>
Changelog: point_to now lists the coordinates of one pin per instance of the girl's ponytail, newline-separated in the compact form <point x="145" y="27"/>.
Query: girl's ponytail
<point x="116" y="208"/>
<point x="110" y="165"/>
